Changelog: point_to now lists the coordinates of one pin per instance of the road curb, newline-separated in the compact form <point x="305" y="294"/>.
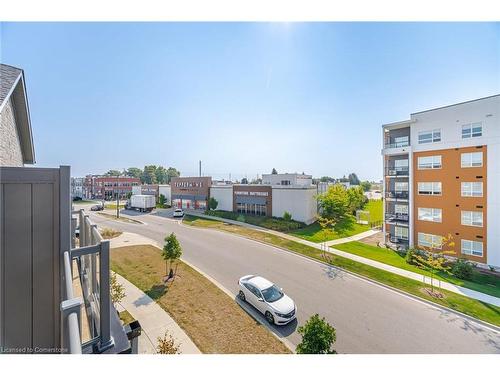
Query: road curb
<point x="367" y="279"/>
<point x="258" y="319"/>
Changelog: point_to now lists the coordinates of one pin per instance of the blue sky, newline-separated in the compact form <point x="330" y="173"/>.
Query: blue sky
<point x="242" y="97"/>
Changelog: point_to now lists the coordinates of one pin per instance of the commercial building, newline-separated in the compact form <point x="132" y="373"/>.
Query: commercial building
<point x="278" y="193"/>
<point x="77" y="190"/>
<point x="106" y="187"/>
<point x="190" y="192"/>
<point x="442" y="177"/>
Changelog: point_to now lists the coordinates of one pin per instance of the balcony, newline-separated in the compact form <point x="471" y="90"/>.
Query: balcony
<point x="90" y="321"/>
<point x="391" y="143"/>
<point x="399" y="241"/>
<point x="404" y="218"/>
<point x="397" y="171"/>
<point x="402" y="195"/>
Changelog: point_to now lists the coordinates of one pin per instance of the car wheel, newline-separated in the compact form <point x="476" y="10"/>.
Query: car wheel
<point x="241" y="296"/>
<point x="269" y="317"/>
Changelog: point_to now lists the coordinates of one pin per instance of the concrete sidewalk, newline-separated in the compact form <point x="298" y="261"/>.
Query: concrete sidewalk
<point x="356" y="237"/>
<point x="154" y="320"/>
<point x="398" y="271"/>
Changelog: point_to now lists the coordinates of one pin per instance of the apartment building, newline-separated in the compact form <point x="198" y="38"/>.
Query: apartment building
<point x="77" y="184"/>
<point x="442" y="177"/>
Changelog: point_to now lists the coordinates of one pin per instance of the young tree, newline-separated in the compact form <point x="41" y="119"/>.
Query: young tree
<point x="212" y="203"/>
<point x="327" y="226"/>
<point x="117" y="291"/>
<point x="334" y="204"/>
<point x="433" y="258"/>
<point x="167" y="345"/>
<point x="317" y="337"/>
<point x="171" y="252"/>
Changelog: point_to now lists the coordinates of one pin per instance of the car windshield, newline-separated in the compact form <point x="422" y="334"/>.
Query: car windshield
<point x="272" y="294"/>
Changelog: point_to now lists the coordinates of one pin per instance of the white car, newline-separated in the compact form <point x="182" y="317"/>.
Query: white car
<point x="178" y="212"/>
<point x="268" y="298"/>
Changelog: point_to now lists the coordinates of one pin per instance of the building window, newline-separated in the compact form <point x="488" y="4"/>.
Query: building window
<point x="472" y="130"/>
<point x="401" y="232"/>
<point x="429" y="162"/>
<point x="400" y="186"/>
<point x="432" y="241"/>
<point x="401" y="164"/>
<point x="472" y="218"/>
<point x="429" y="188"/>
<point x="430" y="214"/>
<point x="285" y="182"/>
<point x="401" y="209"/>
<point x="429" y="136"/>
<point x="472" y="159"/>
<point x="472" y="189"/>
<point x="472" y="248"/>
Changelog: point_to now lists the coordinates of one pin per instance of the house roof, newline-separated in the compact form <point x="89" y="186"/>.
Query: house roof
<point x="12" y="86"/>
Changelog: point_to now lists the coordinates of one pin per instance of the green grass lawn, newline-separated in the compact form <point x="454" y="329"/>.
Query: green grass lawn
<point x="469" y="306"/>
<point x="374" y="206"/>
<point x="480" y="282"/>
<point x="314" y="233"/>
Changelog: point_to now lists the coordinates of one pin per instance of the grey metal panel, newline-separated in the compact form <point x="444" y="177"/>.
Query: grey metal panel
<point x="17" y="273"/>
<point x="44" y="253"/>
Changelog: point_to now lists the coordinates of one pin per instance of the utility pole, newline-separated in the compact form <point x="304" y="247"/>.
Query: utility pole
<point x="200" y="168"/>
<point x="117" y="198"/>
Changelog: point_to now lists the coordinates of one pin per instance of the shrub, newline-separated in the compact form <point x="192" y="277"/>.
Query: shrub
<point x="108" y="233"/>
<point x="167" y="345"/>
<point x="462" y="269"/>
<point x="410" y="255"/>
<point x="287" y="216"/>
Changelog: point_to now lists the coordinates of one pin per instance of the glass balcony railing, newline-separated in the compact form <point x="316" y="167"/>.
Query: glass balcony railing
<point x="396" y="144"/>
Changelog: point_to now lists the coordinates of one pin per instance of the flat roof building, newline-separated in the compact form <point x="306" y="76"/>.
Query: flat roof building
<point x="442" y="177"/>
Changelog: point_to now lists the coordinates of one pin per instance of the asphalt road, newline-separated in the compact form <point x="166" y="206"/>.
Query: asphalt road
<point x="368" y="318"/>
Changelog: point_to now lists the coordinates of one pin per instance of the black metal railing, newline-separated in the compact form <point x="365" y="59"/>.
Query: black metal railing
<point x="396" y="217"/>
<point x="398" y="240"/>
<point x="397" y="194"/>
<point x="397" y="171"/>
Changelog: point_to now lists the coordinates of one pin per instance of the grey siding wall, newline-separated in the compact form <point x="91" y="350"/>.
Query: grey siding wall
<point x="10" y="147"/>
<point x="30" y="290"/>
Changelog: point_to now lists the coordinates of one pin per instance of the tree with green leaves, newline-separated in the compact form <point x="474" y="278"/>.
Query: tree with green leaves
<point x="113" y="173"/>
<point x="172" y="172"/>
<point x="134" y="172"/>
<point x="334" y="204"/>
<point x="212" y="203"/>
<point x="149" y="174"/>
<point x="356" y="198"/>
<point x="318" y="336"/>
<point x="161" y="200"/>
<point x="366" y="185"/>
<point x="274" y="171"/>
<point x="172" y="251"/>
<point x="244" y="181"/>
<point x="353" y="179"/>
<point x="433" y="258"/>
